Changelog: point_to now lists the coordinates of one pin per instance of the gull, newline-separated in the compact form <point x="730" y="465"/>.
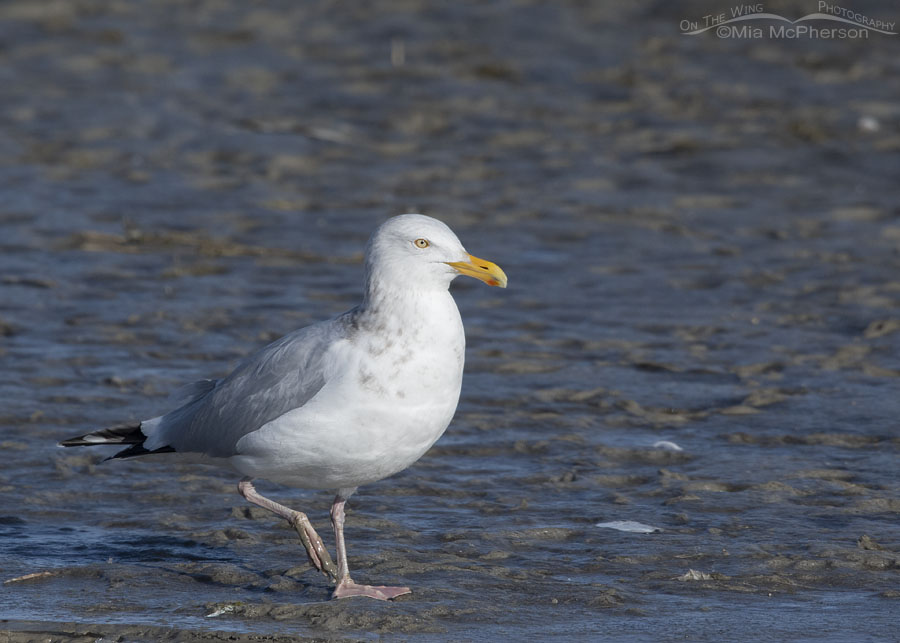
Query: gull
<point x="338" y="404"/>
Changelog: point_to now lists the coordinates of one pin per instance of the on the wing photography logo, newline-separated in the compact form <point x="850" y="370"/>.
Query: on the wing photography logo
<point x="829" y="22"/>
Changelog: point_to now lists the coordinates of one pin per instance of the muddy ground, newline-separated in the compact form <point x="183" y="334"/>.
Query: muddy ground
<point x="701" y="236"/>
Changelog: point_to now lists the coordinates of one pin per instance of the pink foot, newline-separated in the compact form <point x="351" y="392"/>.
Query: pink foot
<point x="347" y="588"/>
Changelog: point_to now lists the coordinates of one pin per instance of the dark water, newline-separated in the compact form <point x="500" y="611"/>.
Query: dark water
<point x="701" y="237"/>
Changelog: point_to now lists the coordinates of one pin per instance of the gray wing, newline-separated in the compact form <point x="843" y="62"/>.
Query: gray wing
<point x="191" y="392"/>
<point x="280" y="377"/>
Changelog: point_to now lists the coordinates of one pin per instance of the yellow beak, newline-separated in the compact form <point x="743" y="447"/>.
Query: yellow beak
<point x="486" y="271"/>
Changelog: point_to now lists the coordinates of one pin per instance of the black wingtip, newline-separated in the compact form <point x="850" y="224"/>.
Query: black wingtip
<point x="128" y="433"/>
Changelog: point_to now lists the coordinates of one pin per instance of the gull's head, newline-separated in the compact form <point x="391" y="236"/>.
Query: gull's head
<point x="422" y="253"/>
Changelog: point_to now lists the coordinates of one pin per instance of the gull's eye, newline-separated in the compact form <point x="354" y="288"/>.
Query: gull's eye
<point x="421" y="243"/>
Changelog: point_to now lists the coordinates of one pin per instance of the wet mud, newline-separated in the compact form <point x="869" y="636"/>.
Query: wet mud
<point x="700" y="335"/>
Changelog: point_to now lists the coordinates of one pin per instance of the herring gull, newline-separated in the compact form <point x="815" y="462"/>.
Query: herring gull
<point x="340" y="403"/>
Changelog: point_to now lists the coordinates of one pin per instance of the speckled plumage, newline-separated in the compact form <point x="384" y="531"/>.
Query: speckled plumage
<point x="346" y="401"/>
<point x="343" y="402"/>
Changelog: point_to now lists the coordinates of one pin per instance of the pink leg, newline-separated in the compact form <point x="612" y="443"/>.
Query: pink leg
<point x="345" y="585"/>
<point x="315" y="549"/>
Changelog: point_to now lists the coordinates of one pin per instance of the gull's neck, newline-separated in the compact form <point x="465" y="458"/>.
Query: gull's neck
<point x="388" y="305"/>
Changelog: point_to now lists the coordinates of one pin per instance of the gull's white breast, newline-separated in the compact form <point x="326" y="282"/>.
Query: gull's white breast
<point x="391" y="390"/>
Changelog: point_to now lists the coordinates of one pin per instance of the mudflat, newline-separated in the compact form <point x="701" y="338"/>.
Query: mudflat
<point x="700" y="335"/>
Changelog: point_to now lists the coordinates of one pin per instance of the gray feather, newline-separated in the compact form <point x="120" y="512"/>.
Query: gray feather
<point x="281" y="377"/>
<point x="189" y="392"/>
